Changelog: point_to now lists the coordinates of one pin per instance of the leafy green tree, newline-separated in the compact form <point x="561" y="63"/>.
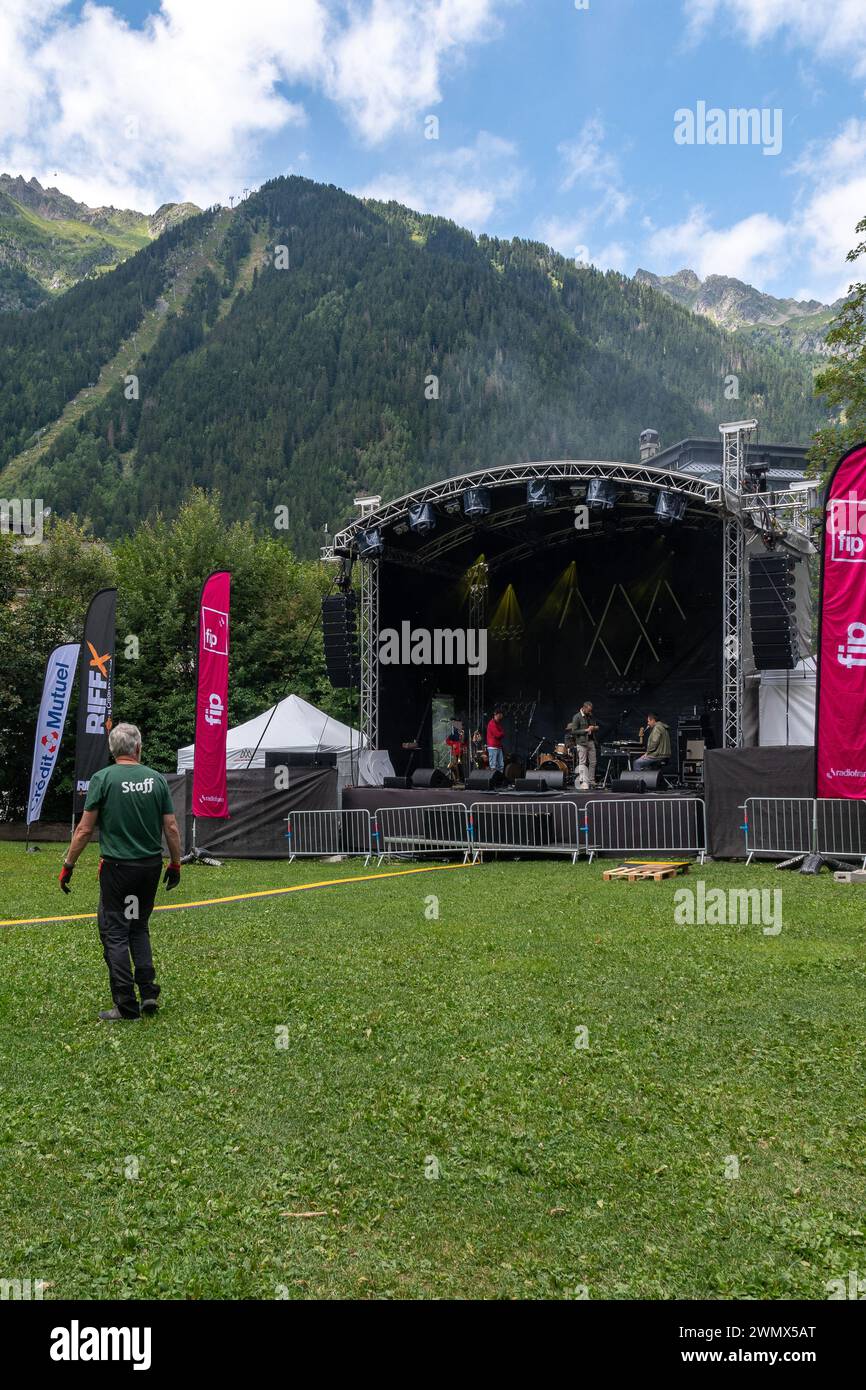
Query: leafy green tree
<point x="276" y="644"/>
<point x="843" y="382"/>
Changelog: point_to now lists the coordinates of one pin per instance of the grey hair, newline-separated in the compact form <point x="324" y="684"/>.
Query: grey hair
<point x="124" y="741"/>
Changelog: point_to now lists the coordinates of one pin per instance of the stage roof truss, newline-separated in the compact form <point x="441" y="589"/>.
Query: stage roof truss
<point x="700" y="490"/>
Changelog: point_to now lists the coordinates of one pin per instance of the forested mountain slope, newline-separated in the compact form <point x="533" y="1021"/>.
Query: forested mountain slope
<point x="332" y="345"/>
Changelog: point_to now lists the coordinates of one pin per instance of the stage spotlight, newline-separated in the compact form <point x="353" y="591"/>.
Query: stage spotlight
<point x="370" y="544"/>
<point x="422" y="518"/>
<point x="601" y="495"/>
<point x="670" y="507"/>
<point x="476" y="502"/>
<point x="540" y="494"/>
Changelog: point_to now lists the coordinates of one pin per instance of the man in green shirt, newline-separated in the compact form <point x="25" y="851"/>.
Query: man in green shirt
<point x="658" y="745"/>
<point x="132" y="806"/>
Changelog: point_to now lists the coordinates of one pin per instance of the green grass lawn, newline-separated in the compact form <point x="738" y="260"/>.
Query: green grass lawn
<point x="410" y="1039"/>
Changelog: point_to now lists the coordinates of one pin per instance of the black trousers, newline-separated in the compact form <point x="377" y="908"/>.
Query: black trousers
<point x="127" y="889"/>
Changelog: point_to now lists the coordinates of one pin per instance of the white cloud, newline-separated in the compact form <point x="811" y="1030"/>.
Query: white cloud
<point x="812" y="242"/>
<point x="388" y="64"/>
<point x="468" y="184"/>
<point x="566" y="235"/>
<point x="588" y="165"/>
<point x="180" y="106"/>
<point x="834" y="30"/>
<point x="753" y="249"/>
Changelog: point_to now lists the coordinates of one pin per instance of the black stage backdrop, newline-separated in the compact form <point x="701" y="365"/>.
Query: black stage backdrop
<point x="256" y="827"/>
<point x="732" y="774"/>
<point x="629" y="621"/>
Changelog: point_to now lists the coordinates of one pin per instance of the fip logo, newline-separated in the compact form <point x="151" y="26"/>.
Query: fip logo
<point x="847" y="526"/>
<point x="215" y="631"/>
<point x="213" y="715"/>
<point x="853" y="652"/>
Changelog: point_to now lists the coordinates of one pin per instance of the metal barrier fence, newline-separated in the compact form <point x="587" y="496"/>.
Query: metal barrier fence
<point x="537" y="827"/>
<point x="841" y="827"/>
<point x="329" y="832"/>
<point x="779" y="825"/>
<point x="789" y="825"/>
<point x="438" y="829"/>
<point x="635" y="825"/>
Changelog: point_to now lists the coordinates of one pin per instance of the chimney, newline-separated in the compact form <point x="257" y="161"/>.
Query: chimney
<point x="649" y="444"/>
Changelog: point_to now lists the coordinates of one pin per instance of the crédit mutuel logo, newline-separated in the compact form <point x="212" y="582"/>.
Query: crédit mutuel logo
<point x="438" y="646"/>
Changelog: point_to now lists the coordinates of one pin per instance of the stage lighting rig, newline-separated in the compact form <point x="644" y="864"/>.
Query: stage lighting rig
<point x="601" y="495"/>
<point x="422" y="518"/>
<point x="370" y="544"/>
<point x="476" y="502"/>
<point x="540" y="494"/>
<point x="670" y="507"/>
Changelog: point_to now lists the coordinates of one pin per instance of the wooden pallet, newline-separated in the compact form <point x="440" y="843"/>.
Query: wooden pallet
<point x="633" y="871"/>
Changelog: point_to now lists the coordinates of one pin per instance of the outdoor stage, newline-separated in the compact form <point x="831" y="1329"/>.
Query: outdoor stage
<point x="625" y="584"/>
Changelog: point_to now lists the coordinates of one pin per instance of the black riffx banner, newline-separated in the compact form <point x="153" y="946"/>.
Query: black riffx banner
<point x="95" y="692"/>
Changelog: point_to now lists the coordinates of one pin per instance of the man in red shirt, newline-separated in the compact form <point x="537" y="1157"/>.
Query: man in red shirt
<point x="495" y="740"/>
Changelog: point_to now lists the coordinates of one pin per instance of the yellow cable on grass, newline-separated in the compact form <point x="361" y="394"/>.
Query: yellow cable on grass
<point x="242" y="897"/>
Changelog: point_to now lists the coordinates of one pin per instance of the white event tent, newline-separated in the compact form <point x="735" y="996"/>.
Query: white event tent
<point x="292" y="726"/>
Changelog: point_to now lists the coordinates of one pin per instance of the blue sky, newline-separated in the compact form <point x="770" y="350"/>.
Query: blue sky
<point x="554" y="122"/>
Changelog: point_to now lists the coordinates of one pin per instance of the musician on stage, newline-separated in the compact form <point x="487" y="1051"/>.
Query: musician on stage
<point x="583" y="730"/>
<point x="658" y="745"/>
<point x="495" y="740"/>
<point x="456" y="742"/>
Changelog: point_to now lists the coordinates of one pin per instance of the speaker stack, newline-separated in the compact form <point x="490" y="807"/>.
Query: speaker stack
<point x="340" y="633"/>
<point x="430" y="777"/>
<point x="772" y="612"/>
<point x="642" y="781"/>
<point x="534" y="782"/>
<point x="484" y="779"/>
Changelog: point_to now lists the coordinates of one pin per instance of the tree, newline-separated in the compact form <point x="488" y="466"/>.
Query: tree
<point x="843" y="382"/>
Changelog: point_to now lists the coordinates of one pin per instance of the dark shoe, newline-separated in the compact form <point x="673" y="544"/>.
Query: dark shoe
<point x="115" y="1016"/>
<point x="149" y="1006"/>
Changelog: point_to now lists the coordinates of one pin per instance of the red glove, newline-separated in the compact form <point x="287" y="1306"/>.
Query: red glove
<point x="171" y="877"/>
<point x="65" y="876"/>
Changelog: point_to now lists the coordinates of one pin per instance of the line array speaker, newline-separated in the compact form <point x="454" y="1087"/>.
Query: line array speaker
<point x="340" y="635"/>
<point x="772" y="611"/>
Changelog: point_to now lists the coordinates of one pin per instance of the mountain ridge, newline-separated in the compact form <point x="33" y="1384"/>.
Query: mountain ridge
<point x="735" y="305"/>
<point x="49" y="242"/>
<point x="308" y="345"/>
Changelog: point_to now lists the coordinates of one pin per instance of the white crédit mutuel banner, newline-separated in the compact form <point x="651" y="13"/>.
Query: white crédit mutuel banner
<point x="56" y="689"/>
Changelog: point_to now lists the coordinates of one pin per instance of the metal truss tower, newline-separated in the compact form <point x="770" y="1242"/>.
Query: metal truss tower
<point x="369" y="640"/>
<point x="478" y="597"/>
<point x="735" y="442"/>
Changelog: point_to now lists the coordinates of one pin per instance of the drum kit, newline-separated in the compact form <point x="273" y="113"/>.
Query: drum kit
<point x="561" y="760"/>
